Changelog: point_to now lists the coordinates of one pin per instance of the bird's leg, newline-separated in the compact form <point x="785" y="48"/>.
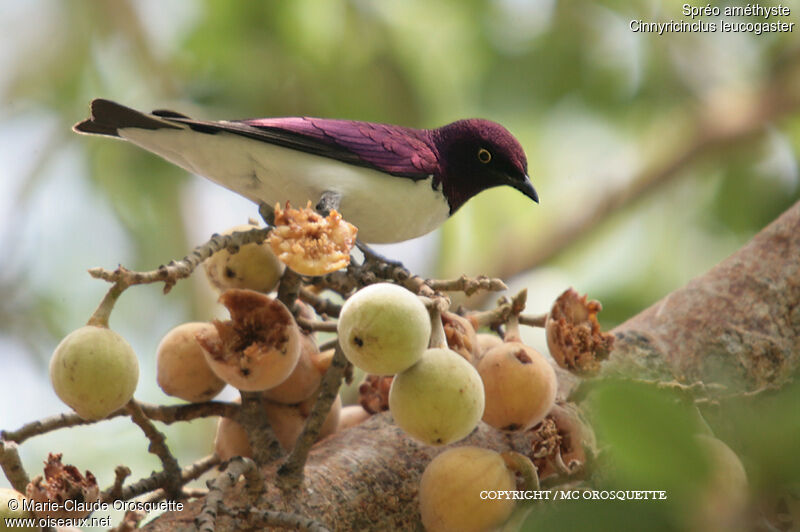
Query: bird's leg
<point x="375" y="257"/>
<point x="329" y="201"/>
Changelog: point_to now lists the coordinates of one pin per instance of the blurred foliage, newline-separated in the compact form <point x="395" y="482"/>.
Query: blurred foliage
<point x="647" y="441"/>
<point x="594" y="104"/>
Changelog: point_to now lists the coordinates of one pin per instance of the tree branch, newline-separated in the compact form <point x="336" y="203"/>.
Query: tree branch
<point x="158" y="446"/>
<point x="157" y="480"/>
<point x="12" y="466"/>
<point x="181" y="269"/>
<point x="164" y="413"/>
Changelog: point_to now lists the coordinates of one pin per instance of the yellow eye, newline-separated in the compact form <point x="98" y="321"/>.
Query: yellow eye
<point x="484" y="156"/>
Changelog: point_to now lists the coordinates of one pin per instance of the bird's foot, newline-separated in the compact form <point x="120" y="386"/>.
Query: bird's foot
<point x="330" y="201"/>
<point x="267" y="213"/>
<point x="371" y="256"/>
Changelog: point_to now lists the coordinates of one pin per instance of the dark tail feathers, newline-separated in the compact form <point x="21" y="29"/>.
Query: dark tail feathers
<point x="107" y="117"/>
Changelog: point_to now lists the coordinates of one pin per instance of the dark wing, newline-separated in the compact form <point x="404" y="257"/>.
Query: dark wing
<point x="392" y="149"/>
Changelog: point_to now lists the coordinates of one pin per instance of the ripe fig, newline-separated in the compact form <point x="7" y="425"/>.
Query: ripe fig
<point x="62" y="483"/>
<point x="373" y="393"/>
<point x="383" y="329"/>
<point x="485" y="341"/>
<point x="559" y="442"/>
<point x="15" y="510"/>
<point x="460" y="334"/>
<point x="438" y="400"/>
<point x="94" y="371"/>
<point x="574" y="337"/>
<point x="450" y="492"/>
<point x="520" y="386"/>
<point x="181" y="367"/>
<point x="258" y="348"/>
<point x="254" y="266"/>
<point x="309" y="243"/>
<point x="303" y="381"/>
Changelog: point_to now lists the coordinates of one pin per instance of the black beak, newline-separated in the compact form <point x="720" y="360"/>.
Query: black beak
<point x="526" y="188"/>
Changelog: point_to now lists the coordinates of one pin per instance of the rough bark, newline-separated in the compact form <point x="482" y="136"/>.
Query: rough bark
<point x="737" y="326"/>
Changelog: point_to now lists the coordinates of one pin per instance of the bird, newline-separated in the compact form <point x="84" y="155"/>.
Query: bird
<point x="394" y="183"/>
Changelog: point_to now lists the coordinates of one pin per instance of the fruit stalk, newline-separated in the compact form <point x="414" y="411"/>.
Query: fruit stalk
<point x="103" y="311"/>
<point x="521" y="464"/>
<point x="438" y="337"/>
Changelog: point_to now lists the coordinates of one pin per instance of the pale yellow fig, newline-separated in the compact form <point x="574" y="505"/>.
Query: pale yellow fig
<point x="181" y="367"/>
<point x="304" y="379"/>
<point x="94" y="371"/>
<point x="254" y="266"/>
<point x="383" y="329"/>
<point x="11" y="507"/>
<point x="258" y="348"/>
<point x="458" y="490"/>
<point x="520" y="386"/>
<point x="439" y="400"/>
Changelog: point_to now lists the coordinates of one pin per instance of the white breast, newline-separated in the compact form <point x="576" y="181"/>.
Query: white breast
<point x="384" y="208"/>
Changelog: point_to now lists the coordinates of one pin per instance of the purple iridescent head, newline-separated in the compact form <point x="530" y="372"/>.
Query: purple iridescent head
<point x="477" y="154"/>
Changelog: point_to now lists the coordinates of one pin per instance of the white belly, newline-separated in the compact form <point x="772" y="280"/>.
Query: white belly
<point x="385" y="209"/>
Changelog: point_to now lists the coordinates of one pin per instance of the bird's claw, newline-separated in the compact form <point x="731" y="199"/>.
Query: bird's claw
<point x="374" y="257"/>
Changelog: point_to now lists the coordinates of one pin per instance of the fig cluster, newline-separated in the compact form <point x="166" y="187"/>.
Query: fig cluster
<point x="259" y="349"/>
<point x="434" y="393"/>
<point x="436" y="375"/>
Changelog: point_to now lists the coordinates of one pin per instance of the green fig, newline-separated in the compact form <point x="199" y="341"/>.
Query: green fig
<point x="383" y="329"/>
<point x="439" y="400"/>
<point x="94" y="371"/>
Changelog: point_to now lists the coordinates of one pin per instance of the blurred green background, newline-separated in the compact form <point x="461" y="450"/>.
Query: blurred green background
<point x="655" y="156"/>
